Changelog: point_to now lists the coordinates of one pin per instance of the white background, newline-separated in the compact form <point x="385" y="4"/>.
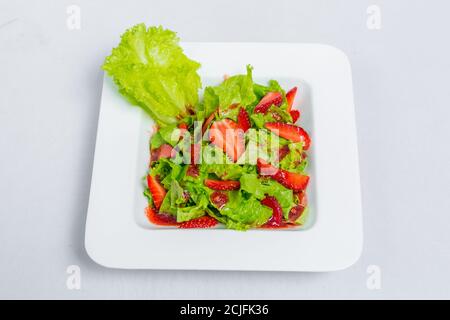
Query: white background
<point x="50" y="81"/>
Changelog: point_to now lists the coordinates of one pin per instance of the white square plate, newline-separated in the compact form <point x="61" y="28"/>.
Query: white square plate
<point x="117" y="233"/>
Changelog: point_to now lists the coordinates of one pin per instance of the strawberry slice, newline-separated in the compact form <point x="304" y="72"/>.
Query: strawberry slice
<point x="295" y="115"/>
<point x="161" y="219"/>
<point x="183" y="126"/>
<point x="243" y="120"/>
<point x="219" y="199"/>
<point x="165" y="151"/>
<point x="202" y="222"/>
<point x="291" y="180"/>
<point x="157" y="190"/>
<point x="193" y="171"/>
<point x="291" y="132"/>
<point x="271" y="98"/>
<point x="208" y="121"/>
<point x="195" y="153"/>
<point x="290" y="96"/>
<point x="228" y="136"/>
<point x="283" y="152"/>
<point x="277" y="212"/>
<point x="222" y="185"/>
<point x="295" y="213"/>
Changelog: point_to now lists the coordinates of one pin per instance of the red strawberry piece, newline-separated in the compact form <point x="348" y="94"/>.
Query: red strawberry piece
<point x="165" y="151"/>
<point x="222" y="185"/>
<point x="162" y="219"/>
<point x="154" y="155"/>
<point x="157" y="190"/>
<point x="183" y="126"/>
<point x="219" y="199"/>
<point x="208" y="121"/>
<point x="291" y="180"/>
<point x="302" y="198"/>
<point x="298" y="210"/>
<point x="283" y="152"/>
<point x="295" y="213"/>
<point x="202" y="222"/>
<point x="291" y="132"/>
<point x="243" y="120"/>
<point x="265" y="169"/>
<point x="192" y="171"/>
<point x="183" y="129"/>
<point x="290" y="96"/>
<point x="277" y="212"/>
<point x="271" y="98"/>
<point x="295" y="115"/>
<point x="228" y="136"/>
<point x="195" y="153"/>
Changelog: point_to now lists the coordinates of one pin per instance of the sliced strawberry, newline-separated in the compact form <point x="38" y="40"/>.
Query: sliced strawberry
<point x="219" y="199"/>
<point x="243" y="120"/>
<point x="283" y="152"/>
<point x="208" y="121"/>
<point x="295" y="213"/>
<point x="165" y="151"/>
<point x="290" y="96"/>
<point x="222" y="185"/>
<point x="193" y="171"/>
<point x="271" y="98"/>
<point x="195" y="153"/>
<point x="227" y="135"/>
<point x="202" y="222"/>
<point x="302" y="198"/>
<point x="295" y="115"/>
<point x="183" y="126"/>
<point x="183" y="129"/>
<point x="291" y="180"/>
<point x="290" y="132"/>
<point x="277" y="212"/>
<point x="157" y="190"/>
<point x="161" y="219"/>
<point x="265" y="169"/>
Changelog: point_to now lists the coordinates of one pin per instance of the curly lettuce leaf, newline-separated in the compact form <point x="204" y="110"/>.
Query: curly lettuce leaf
<point x="237" y="89"/>
<point x="259" y="188"/>
<point x="151" y="70"/>
<point x="294" y="160"/>
<point x="244" y="212"/>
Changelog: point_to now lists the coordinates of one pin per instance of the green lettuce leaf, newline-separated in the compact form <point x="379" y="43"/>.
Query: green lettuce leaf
<point x="237" y="89"/>
<point x="245" y="211"/>
<point x="259" y="188"/>
<point x="167" y="171"/>
<point x="294" y="161"/>
<point x="151" y="70"/>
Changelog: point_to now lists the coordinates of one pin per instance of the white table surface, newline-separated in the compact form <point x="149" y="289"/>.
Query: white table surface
<point x="50" y="82"/>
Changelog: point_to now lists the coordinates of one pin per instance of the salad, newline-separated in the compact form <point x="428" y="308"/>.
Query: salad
<point x="232" y="155"/>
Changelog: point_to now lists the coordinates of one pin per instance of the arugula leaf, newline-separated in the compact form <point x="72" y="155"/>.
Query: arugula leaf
<point x="151" y="70"/>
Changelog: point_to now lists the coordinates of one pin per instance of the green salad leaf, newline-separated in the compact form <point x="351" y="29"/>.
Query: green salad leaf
<point x="237" y="89"/>
<point x="151" y="70"/>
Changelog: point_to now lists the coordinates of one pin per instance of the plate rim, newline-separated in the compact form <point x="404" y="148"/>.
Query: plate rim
<point x="104" y="256"/>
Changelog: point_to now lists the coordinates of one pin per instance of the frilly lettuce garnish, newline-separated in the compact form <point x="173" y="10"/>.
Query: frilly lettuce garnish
<point x="151" y="70"/>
